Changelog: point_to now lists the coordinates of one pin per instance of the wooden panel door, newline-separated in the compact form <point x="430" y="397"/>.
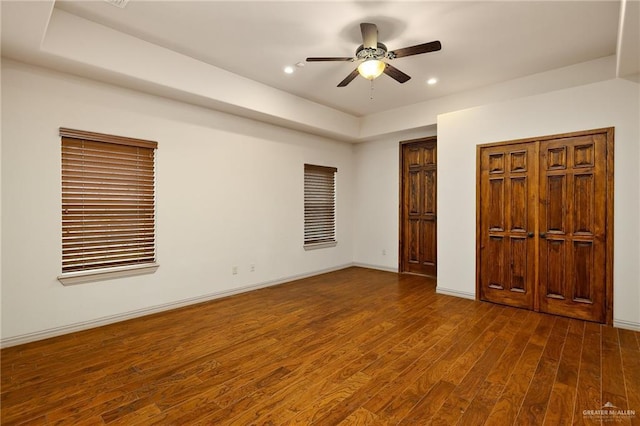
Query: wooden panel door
<point x="418" y="208"/>
<point x="573" y="192"/>
<point x="545" y="224"/>
<point x="507" y="224"/>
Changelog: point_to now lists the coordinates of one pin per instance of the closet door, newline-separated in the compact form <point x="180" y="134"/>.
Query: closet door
<point x="545" y="224"/>
<point x="507" y="201"/>
<point x="573" y="208"/>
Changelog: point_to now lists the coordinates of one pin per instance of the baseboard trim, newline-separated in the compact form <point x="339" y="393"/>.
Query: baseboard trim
<point x="377" y="267"/>
<point x="99" y="322"/>
<point x="627" y="325"/>
<point x="456" y="293"/>
<point x="85" y="325"/>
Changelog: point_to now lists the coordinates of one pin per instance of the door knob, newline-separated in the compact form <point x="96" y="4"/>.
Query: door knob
<point x="530" y="234"/>
<point x="543" y="235"/>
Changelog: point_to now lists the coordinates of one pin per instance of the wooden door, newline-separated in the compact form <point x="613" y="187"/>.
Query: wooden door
<point x="545" y="224"/>
<point x="507" y="224"/>
<point x="573" y="226"/>
<point x="418" y="207"/>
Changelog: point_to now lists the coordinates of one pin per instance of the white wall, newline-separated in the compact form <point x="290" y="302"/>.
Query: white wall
<point x="229" y="192"/>
<point x="425" y="113"/>
<point x="610" y="103"/>
<point x="247" y="206"/>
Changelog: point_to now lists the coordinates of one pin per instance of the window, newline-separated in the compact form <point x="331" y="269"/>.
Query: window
<point x="108" y="202"/>
<point x="319" y="206"/>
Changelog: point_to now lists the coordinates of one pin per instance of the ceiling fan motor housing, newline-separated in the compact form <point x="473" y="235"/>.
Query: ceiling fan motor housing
<point x="367" y="53"/>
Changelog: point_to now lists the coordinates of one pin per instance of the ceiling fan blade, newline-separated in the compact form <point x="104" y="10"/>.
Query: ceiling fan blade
<point x="349" y="78"/>
<point x="369" y="35"/>
<point x="341" y="59"/>
<point x="396" y="74"/>
<point x="432" y="46"/>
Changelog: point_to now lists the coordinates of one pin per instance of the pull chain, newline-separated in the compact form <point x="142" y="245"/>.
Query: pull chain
<point x="371" y="92"/>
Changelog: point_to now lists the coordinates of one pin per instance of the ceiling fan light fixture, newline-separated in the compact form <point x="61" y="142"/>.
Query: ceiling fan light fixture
<point x="371" y="51"/>
<point x="371" y="68"/>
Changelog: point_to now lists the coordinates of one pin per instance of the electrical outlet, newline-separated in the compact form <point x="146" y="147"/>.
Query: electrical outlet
<point x="234" y="270"/>
<point x="384" y="252"/>
<point x="252" y="268"/>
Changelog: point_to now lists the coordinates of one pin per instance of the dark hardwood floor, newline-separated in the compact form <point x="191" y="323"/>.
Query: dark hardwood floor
<point x="353" y="347"/>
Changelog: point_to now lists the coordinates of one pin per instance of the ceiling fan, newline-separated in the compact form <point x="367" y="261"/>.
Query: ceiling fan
<point x="371" y="52"/>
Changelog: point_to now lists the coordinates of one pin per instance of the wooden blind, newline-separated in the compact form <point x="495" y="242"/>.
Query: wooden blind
<point x="319" y="204"/>
<point x="108" y="201"/>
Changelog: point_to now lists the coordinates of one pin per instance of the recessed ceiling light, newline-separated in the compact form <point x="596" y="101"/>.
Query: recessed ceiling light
<point x="120" y="3"/>
<point x="288" y="69"/>
<point x="432" y="81"/>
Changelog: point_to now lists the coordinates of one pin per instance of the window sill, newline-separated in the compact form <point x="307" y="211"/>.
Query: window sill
<point x="317" y="246"/>
<point x="81" y="277"/>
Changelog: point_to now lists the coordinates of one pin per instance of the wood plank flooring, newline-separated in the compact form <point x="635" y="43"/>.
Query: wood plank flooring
<point x="352" y="347"/>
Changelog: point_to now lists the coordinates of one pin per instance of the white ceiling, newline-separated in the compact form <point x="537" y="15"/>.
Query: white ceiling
<point x="483" y="42"/>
